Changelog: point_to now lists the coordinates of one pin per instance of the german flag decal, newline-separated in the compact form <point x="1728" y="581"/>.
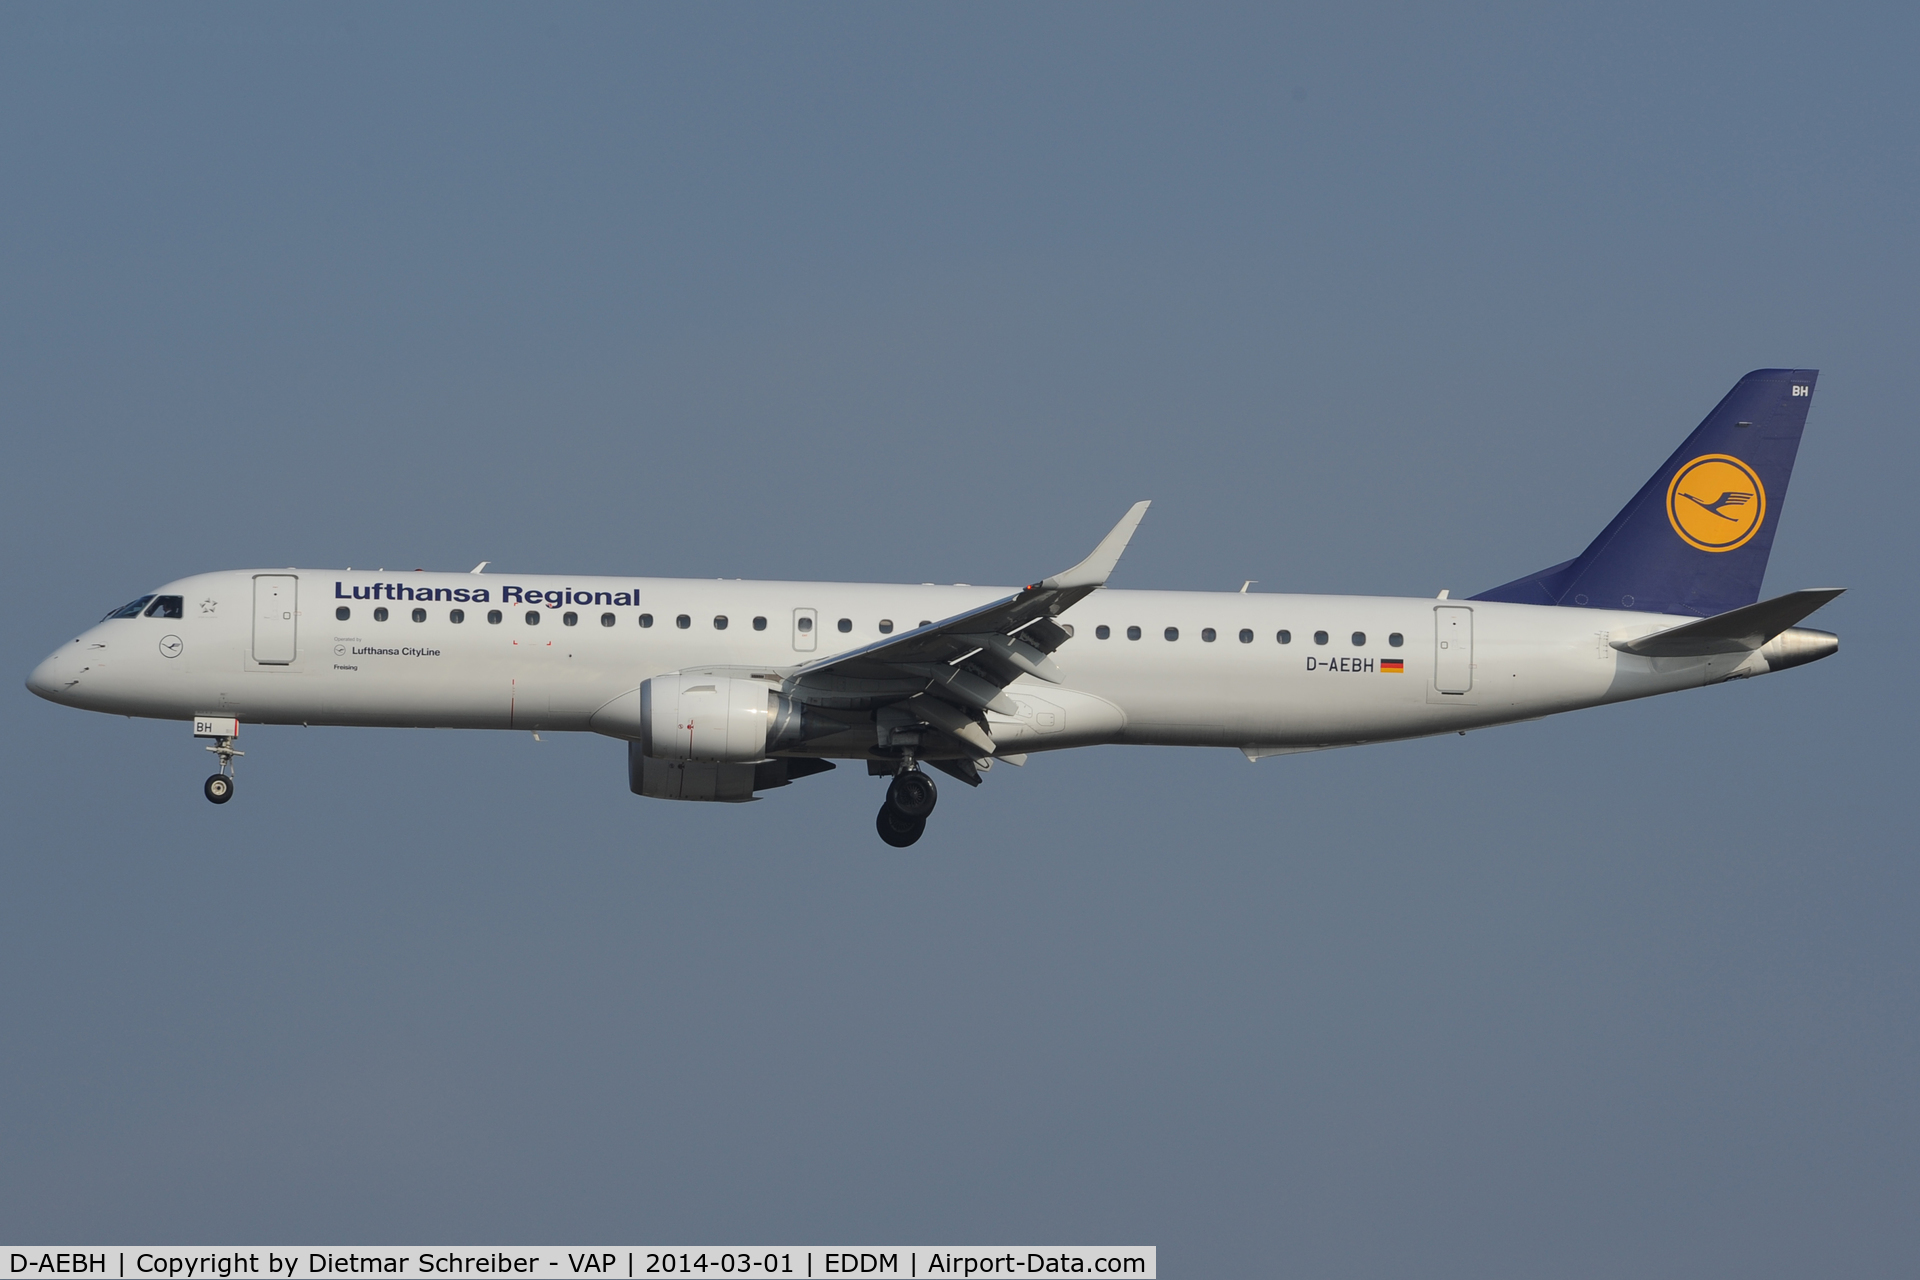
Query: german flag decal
<point x="1393" y="666"/>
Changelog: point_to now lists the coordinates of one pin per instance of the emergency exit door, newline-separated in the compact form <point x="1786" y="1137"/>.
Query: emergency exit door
<point x="1452" y="649"/>
<point x="276" y="614"/>
<point x="804" y="637"/>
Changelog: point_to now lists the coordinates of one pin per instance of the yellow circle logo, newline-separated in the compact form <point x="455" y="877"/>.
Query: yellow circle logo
<point x="1716" y="502"/>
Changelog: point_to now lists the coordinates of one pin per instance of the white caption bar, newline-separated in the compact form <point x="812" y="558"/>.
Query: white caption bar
<point x="624" y="1262"/>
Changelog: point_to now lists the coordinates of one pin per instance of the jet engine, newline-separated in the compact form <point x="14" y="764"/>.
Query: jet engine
<point x="722" y="719"/>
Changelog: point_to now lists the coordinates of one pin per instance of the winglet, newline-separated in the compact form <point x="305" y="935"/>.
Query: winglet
<point x="1093" y="571"/>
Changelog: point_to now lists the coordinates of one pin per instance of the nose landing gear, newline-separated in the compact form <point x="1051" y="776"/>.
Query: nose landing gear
<point x="223" y="730"/>
<point x="910" y="798"/>
<point x="219" y="787"/>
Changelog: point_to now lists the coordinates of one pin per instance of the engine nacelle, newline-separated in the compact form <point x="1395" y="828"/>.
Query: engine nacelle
<point x="705" y="780"/>
<point x="688" y="779"/>
<point x="720" y="718"/>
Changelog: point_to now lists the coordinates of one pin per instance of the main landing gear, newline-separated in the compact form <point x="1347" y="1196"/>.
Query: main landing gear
<point x="910" y="798"/>
<point x="219" y="787"/>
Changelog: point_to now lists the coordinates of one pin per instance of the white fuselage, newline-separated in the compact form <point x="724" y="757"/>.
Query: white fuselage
<point x="1502" y="662"/>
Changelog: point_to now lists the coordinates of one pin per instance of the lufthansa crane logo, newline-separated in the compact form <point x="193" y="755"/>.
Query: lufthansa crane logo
<point x="1716" y="502"/>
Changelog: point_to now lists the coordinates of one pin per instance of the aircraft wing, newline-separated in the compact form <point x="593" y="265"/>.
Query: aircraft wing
<point x="947" y="674"/>
<point x="1735" y="631"/>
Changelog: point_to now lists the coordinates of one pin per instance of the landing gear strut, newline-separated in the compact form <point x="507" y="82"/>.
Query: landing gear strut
<point x="219" y="787"/>
<point x="910" y="798"/>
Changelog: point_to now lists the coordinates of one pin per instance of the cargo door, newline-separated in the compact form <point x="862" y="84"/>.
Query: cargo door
<point x="1452" y="649"/>
<point x="276" y="611"/>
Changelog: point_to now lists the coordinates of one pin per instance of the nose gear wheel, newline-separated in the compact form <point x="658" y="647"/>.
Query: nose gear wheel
<point x="219" y="787"/>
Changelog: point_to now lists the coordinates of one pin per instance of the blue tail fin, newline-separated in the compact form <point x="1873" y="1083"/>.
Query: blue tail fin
<point x="1695" y="539"/>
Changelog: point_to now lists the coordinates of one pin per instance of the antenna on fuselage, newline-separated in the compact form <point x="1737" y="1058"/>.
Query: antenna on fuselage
<point x="477" y="568"/>
<point x="1249" y="582"/>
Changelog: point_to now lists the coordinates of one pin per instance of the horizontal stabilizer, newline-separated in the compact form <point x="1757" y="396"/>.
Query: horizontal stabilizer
<point x="1736" y="631"/>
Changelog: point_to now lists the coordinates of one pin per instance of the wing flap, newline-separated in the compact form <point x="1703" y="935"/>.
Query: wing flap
<point x="951" y="671"/>
<point x="1028" y="613"/>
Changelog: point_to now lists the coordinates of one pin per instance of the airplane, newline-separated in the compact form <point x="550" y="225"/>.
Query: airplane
<point x="725" y="689"/>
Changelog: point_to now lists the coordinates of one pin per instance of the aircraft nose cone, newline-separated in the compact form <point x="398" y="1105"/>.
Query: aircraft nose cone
<point x="47" y="679"/>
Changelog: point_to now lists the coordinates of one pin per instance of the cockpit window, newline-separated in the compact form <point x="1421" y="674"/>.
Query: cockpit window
<point x="129" y="610"/>
<point x="165" y="607"/>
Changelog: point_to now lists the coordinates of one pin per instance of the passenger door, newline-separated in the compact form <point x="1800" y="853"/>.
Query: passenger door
<point x="1452" y="649"/>
<point x="276" y="610"/>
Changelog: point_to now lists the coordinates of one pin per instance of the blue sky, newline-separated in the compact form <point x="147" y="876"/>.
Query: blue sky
<point x="1379" y="300"/>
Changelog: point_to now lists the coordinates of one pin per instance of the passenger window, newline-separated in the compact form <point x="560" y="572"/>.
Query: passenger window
<point x="805" y="625"/>
<point x="456" y="615"/>
<point x="570" y="619"/>
<point x="1246" y="636"/>
<point x="1102" y="631"/>
<point x="683" y="622"/>
<point x="129" y="610"/>
<point x="1173" y="633"/>
<point x="606" y="619"/>
<point x="165" y="607"/>
<point x="1284" y="637"/>
<point x="646" y="619"/>
<point x="719" y="622"/>
<point x="1133" y="633"/>
<point x="380" y="614"/>
<point x="886" y="626"/>
<point x="759" y="624"/>
<point x="533" y="617"/>
<point x="1359" y="639"/>
<point x="493" y="616"/>
<point x="926" y="622"/>
<point x="1396" y="639"/>
<point x="846" y="625"/>
<point x="419" y="615"/>
<point x="1319" y="637"/>
<point x="343" y="613"/>
<point x="1208" y="635"/>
